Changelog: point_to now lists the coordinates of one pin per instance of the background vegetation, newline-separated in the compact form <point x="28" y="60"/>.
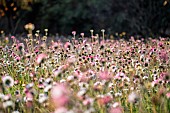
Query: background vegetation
<point x="142" y="17"/>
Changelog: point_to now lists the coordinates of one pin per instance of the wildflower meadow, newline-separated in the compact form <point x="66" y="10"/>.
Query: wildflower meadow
<point x="84" y="74"/>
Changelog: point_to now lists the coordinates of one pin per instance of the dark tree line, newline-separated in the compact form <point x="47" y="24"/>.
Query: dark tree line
<point x="142" y="17"/>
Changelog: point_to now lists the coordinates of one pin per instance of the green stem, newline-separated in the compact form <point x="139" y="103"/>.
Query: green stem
<point x="131" y="108"/>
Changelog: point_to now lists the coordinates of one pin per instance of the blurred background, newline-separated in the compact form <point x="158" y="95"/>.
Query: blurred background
<point x="142" y="17"/>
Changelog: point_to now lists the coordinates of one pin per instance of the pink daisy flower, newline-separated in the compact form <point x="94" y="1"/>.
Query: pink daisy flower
<point x="60" y="95"/>
<point x="74" y="32"/>
<point x="40" y="58"/>
<point x="116" y="110"/>
<point x="105" y="75"/>
<point x="168" y="95"/>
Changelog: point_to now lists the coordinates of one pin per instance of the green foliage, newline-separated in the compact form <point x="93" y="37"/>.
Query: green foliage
<point x="70" y="15"/>
<point x="135" y="17"/>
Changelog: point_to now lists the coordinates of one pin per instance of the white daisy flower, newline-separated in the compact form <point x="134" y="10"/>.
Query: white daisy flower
<point x="8" y="104"/>
<point x="70" y="78"/>
<point x="8" y="81"/>
<point x="42" y="98"/>
<point x="1" y="95"/>
<point x="118" y="94"/>
<point x="47" y="88"/>
<point x="48" y="81"/>
<point x="116" y="104"/>
<point x="81" y="93"/>
<point x="15" y="112"/>
<point x="62" y="81"/>
<point x="145" y="77"/>
<point x="133" y="97"/>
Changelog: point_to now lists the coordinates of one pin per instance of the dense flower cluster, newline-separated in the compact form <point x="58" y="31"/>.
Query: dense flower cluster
<point x="84" y="75"/>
